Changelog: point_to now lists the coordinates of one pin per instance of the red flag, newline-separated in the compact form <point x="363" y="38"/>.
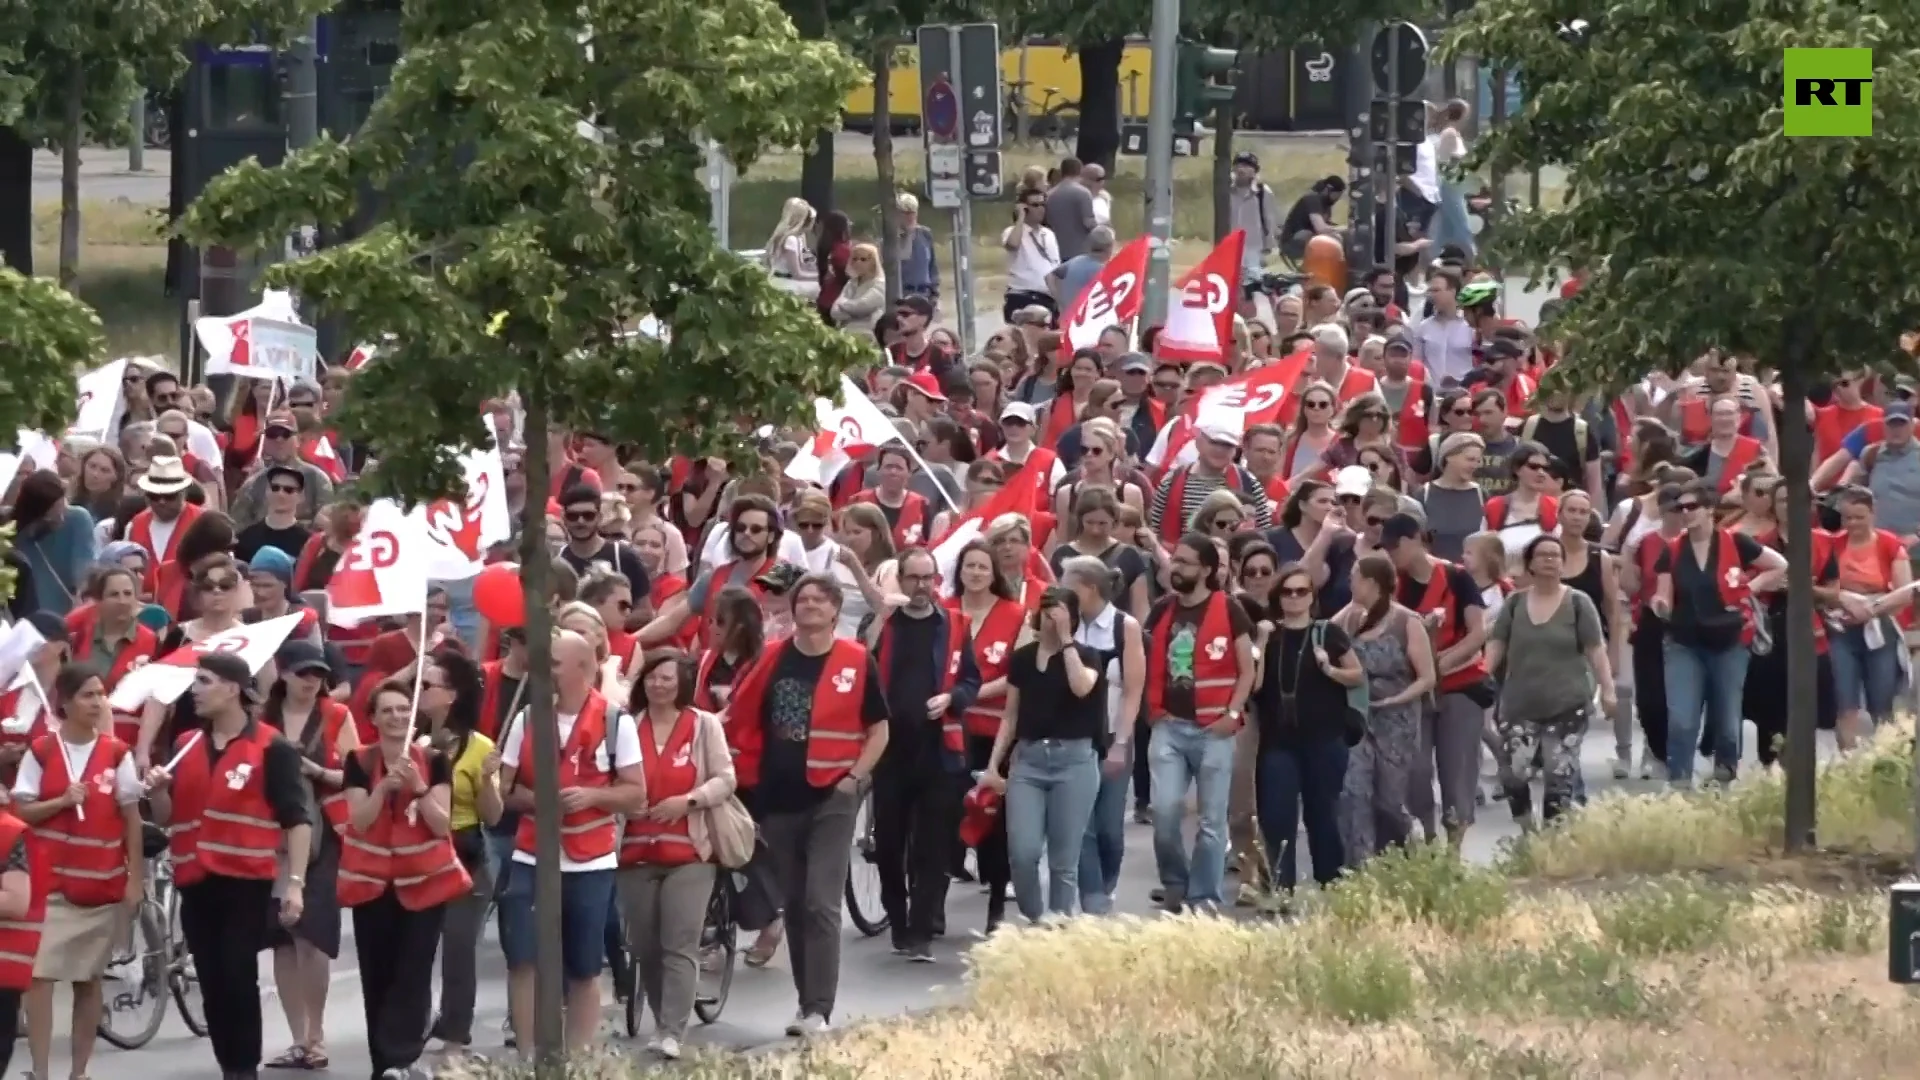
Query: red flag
<point x="1200" y="325"/>
<point x="1112" y="298"/>
<point x="318" y="452"/>
<point x="1257" y="396"/>
<point x="1016" y="497"/>
<point x="358" y="358"/>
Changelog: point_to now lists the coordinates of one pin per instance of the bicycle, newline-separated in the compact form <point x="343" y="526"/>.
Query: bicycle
<point x="863" y="877"/>
<point x="156" y="949"/>
<point x="719" y="947"/>
<point x="1056" y="125"/>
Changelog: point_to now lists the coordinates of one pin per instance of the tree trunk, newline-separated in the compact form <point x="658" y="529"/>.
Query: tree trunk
<point x="16" y="201"/>
<point x="1099" y="141"/>
<point x="536" y="565"/>
<point x="1803" y="704"/>
<point x="1223" y="174"/>
<point x="883" y="165"/>
<point x="70" y="177"/>
<point x="816" y="169"/>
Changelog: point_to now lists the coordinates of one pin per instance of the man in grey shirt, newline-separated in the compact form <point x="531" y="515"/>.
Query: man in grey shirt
<point x="1070" y="278"/>
<point x="1070" y="211"/>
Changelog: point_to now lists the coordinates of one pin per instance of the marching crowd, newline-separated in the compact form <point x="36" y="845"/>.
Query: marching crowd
<point x="1067" y="586"/>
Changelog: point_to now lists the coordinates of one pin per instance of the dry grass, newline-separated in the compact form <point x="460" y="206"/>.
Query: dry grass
<point x="123" y="261"/>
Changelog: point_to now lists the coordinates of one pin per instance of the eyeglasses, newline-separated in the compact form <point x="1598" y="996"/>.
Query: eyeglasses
<point x="1295" y="592"/>
<point x="131" y="379"/>
<point x="1536" y="464"/>
<point x="1318" y="405"/>
<point x="1459" y="412"/>
<point x="221" y="584"/>
<point x="1686" y="507"/>
<point x="918" y="579"/>
<point x="1226" y="524"/>
<point x="165" y="496"/>
<point x="752" y="530"/>
<point x="1254" y="573"/>
<point x="300" y="404"/>
<point x="1094" y="451"/>
<point x="809" y="526"/>
<point x="1013" y="421"/>
<point x="583" y="515"/>
<point x="1375" y="522"/>
<point x="283" y="489"/>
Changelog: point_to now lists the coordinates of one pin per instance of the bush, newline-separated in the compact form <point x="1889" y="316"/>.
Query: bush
<point x="1426" y="884"/>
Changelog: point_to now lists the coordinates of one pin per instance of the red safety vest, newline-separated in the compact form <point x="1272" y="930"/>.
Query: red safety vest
<point x="1495" y="511"/>
<point x="1036" y="470"/>
<point x="1439" y="599"/>
<point x="133" y="654"/>
<point x="17" y="732"/>
<point x="664" y="587"/>
<point x="398" y="851"/>
<point x="1728" y="576"/>
<point x="166" y="579"/>
<point x="993" y="654"/>
<point x="1411" y="423"/>
<point x="1746" y="450"/>
<point x="671" y="771"/>
<point x="838" y="731"/>
<point x="951" y="735"/>
<point x="585" y="835"/>
<point x="1216" y="666"/>
<point x="86" y="848"/>
<point x="222" y="821"/>
<point x="1696" y="422"/>
<point x="20" y="938"/>
<point x="1173" y="523"/>
<point x="717" y="581"/>
<point x="911" y="528"/>
<point x="703" y="679"/>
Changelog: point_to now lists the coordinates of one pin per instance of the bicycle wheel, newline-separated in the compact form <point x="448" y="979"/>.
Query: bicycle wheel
<point x="1062" y="125"/>
<point x="133" y="991"/>
<point x="636" y="999"/>
<point x="863" y="877"/>
<point x="182" y="980"/>
<point x="719" y="944"/>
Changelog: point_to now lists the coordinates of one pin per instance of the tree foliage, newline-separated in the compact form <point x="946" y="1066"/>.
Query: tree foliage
<point x="46" y="335"/>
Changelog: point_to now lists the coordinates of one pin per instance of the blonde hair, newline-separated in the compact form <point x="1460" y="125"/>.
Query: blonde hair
<point x="1485" y="552"/>
<point x="868" y="252"/>
<point x="582" y="610"/>
<point x="1217" y="500"/>
<point x="1104" y="431"/>
<point x="795" y="218"/>
<point x="907" y="203"/>
<point x="1008" y="524"/>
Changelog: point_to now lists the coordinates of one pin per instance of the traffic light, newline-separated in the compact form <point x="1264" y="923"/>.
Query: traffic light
<point x="1197" y="93"/>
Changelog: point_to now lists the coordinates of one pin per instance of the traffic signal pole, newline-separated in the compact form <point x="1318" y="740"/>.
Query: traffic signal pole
<point x="1163" y="40"/>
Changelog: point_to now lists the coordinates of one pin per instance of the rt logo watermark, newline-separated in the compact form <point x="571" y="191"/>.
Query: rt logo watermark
<point x="1829" y="92"/>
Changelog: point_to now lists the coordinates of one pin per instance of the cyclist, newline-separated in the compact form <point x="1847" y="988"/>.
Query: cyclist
<point x="1311" y="215"/>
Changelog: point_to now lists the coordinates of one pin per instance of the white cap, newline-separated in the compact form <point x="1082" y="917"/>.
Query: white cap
<point x="1221" y="425"/>
<point x="1017" y="410"/>
<point x="1353" y="480"/>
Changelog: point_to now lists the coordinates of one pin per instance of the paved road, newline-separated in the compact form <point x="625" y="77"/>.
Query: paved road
<point x="874" y="984"/>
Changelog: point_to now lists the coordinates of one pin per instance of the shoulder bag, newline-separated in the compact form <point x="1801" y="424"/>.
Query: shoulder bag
<point x="730" y="828"/>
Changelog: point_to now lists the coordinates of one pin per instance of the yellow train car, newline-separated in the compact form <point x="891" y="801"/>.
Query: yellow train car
<point x="1047" y="64"/>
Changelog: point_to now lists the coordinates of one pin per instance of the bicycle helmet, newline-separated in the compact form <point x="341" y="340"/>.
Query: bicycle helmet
<point x="1479" y="292"/>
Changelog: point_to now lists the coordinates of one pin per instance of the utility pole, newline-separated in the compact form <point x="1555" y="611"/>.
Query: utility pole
<point x="720" y="176"/>
<point x="303" y="87"/>
<point x="137" y="143"/>
<point x="1164" y="42"/>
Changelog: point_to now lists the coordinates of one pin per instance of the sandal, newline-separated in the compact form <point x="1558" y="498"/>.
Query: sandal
<point x="768" y="943"/>
<point x="317" y="1057"/>
<point x="295" y="1057"/>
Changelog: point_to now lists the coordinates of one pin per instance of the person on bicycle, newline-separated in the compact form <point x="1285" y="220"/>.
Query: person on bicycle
<point x="666" y="857"/>
<point x="1311" y="215"/>
<point x="79" y="790"/>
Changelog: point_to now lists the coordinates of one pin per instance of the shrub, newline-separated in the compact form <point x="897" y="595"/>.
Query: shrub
<point x="1666" y="917"/>
<point x="1427" y="884"/>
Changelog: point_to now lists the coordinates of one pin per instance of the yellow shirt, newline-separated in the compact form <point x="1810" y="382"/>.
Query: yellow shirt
<point x="465" y="812"/>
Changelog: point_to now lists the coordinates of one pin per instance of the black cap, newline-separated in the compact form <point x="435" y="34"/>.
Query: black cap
<point x="919" y="305"/>
<point x="1400" y="527"/>
<point x="300" y="656"/>
<point x="1501" y="348"/>
<point x="226" y="665"/>
<point x="1247" y="158"/>
<point x="289" y="472"/>
<point x="1398" y="341"/>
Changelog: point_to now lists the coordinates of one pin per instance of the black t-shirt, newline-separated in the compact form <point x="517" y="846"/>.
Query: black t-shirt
<point x="1300" y="217"/>
<point x="1699" y="617"/>
<point x="1298" y="702"/>
<point x="1561" y="438"/>
<point x="787" y="720"/>
<point x="1122" y="557"/>
<point x="911" y="679"/>
<point x="1466" y="594"/>
<point x="1049" y="709"/>
<point x="248" y="541"/>
<point x="354" y="773"/>
<point x="616" y="555"/>
<point x="1178" y="641"/>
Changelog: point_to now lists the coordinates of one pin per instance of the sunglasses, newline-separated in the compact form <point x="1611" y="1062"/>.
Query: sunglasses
<point x="1295" y="591"/>
<point x="1226" y="524"/>
<point x="283" y="489"/>
<point x="752" y="530"/>
<point x="1352" y="500"/>
<point x="583" y="515"/>
<point x="170" y="496"/>
<point x="1318" y="405"/>
<point x="1459" y="412"/>
<point x="223" y="584"/>
<point x="1013" y="421"/>
<point x="1539" y="465"/>
<point x="300" y="404"/>
<point x="1686" y="507"/>
<point x="1375" y="522"/>
<point x="1255" y="572"/>
<point x="809" y="526"/>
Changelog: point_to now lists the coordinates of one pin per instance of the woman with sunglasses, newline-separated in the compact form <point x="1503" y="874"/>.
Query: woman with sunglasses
<point x="1220" y="516"/>
<point x="611" y="595"/>
<point x="1530" y="509"/>
<point x="1306" y="667"/>
<point x="1454" y="412"/>
<point x="1384" y="466"/>
<point x="1102" y="463"/>
<point x="1705" y="582"/>
<point x="1312" y="435"/>
<point x="1549" y="652"/>
<point x="1365" y="424"/>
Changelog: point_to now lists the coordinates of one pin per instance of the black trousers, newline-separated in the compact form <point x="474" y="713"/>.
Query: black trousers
<point x="226" y="921"/>
<point x="396" y="949"/>
<point x="1650" y="683"/>
<point x="916" y="822"/>
<point x="9" y="1026"/>
<point x="991" y="855"/>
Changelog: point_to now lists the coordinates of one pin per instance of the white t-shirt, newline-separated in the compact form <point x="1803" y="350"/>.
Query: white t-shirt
<point x="626" y="753"/>
<point x="202" y="444"/>
<point x="162" y="533"/>
<point x="126" y="782"/>
<point x="1103" y="207"/>
<point x="1033" y="260"/>
<point x="1426" y="168"/>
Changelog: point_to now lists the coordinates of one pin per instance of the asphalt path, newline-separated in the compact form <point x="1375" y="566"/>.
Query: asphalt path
<point x="874" y="984"/>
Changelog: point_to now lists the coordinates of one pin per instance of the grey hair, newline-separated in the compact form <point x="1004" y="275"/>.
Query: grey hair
<point x="1333" y="336"/>
<point x="1090" y="571"/>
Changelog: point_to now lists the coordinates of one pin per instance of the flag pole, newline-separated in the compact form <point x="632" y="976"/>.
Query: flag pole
<point x="46" y="702"/>
<point x="419" y="668"/>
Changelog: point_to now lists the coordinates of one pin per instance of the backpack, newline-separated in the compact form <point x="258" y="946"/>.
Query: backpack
<point x="1260" y="193"/>
<point x="1353" y="725"/>
<point x="1532" y="425"/>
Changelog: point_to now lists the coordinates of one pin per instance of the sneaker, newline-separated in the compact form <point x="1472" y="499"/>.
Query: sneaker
<point x="1622" y="767"/>
<point x="921" y="953"/>
<point x="1158" y="895"/>
<point x="668" y="1048"/>
<point x="798" y="1026"/>
<point x="808" y="1026"/>
<point x="1142" y="815"/>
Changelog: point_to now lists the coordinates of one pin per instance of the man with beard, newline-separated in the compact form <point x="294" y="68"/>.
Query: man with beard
<point x="924" y="654"/>
<point x="580" y="513"/>
<point x="1200" y="669"/>
<point x="753" y="535"/>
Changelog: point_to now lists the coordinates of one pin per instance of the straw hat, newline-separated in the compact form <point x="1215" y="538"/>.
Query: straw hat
<point x="165" y="476"/>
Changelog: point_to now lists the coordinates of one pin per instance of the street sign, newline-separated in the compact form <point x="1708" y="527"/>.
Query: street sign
<point x="973" y="75"/>
<point x="941" y="110"/>
<point x="1413" y="53"/>
<point x="983" y="174"/>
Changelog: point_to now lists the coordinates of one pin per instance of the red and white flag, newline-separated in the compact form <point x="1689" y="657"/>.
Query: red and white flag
<point x="358" y="358"/>
<point x="1200" y="325"/>
<point x="846" y="432"/>
<point x="100" y="396"/>
<point x="1245" y="400"/>
<point x="459" y="533"/>
<point x="1112" y="298"/>
<point x="319" y="453"/>
<point x="1013" y="498"/>
<point x="165" y="679"/>
<point x="384" y="570"/>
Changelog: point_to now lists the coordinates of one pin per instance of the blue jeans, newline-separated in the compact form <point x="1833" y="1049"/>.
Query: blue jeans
<point x="1860" y="672"/>
<point x="1051" y="785"/>
<point x="1302" y="780"/>
<point x="1105" y="843"/>
<point x="1183" y="753"/>
<point x="1700" y="681"/>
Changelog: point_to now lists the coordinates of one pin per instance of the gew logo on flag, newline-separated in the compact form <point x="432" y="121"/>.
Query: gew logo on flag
<point x="1829" y="92"/>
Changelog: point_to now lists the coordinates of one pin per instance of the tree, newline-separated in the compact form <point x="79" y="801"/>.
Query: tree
<point x="522" y="247"/>
<point x="46" y="336"/>
<point x="1703" y="226"/>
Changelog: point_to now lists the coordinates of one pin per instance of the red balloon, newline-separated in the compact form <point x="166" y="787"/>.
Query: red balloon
<point x="498" y="596"/>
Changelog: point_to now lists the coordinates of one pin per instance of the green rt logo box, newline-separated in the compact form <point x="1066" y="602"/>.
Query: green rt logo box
<point x="1829" y="92"/>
